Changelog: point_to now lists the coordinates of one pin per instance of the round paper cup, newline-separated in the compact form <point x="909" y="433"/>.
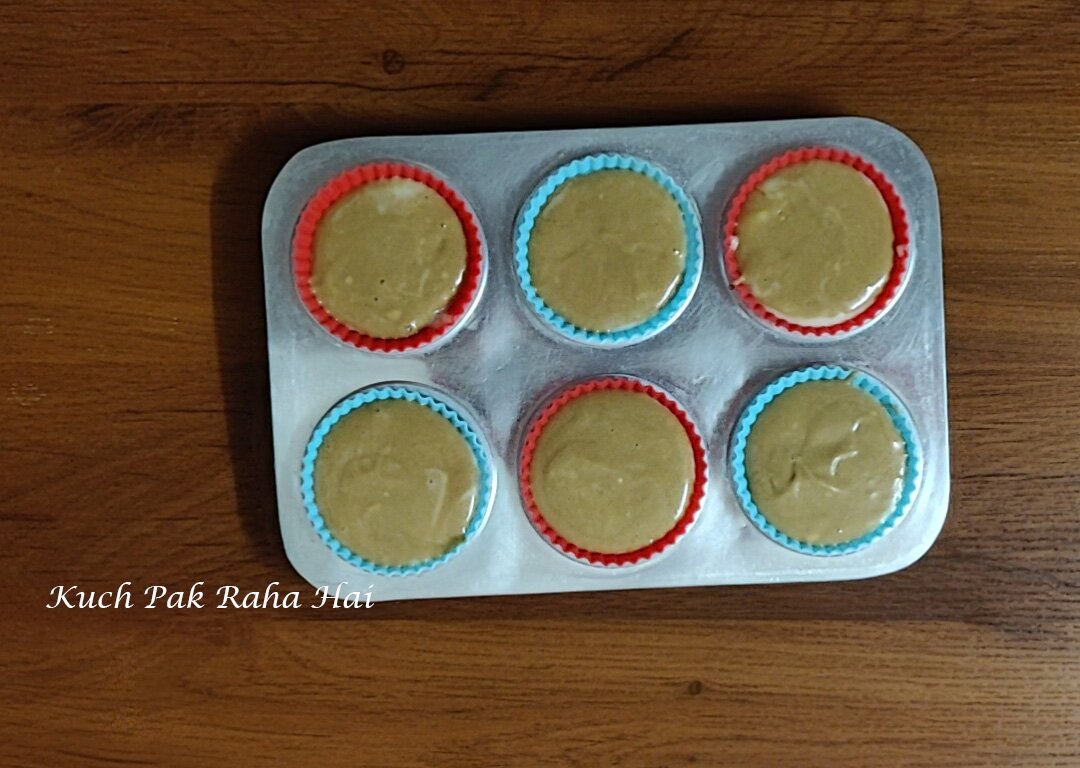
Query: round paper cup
<point x="901" y="243"/>
<point x="693" y="504"/>
<point x="666" y="314"/>
<point x="438" y="404"/>
<point x="868" y="384"/>
<point x="303" y="257"/>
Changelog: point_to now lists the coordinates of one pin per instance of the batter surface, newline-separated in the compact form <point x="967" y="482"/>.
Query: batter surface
<point x="608" y="249"/>
<point x="825" y="462"/>
<point x="612" y="471"/>
<point x="388" y="257"/>
<point x="815" y="243"/>
<point x="396" y="483"/>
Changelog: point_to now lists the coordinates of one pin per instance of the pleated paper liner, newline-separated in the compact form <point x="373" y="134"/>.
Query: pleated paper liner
<point x="438" y="404"/>
<point x="303" y="256"/>
<point x="693" y="504"/>
<point x="901" y="243"/>
<point x="692" y="268"/>
<point x="893" y="407"/>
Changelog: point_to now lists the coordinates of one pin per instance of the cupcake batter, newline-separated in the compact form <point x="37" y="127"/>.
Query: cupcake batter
<point x="824" y="462"/>
<point x="612" y="471"/>
<point x="608" y="249"/>
<point x="396" y="483"/>
<point x="815" y="243"/>
<point x="388" y="257"/>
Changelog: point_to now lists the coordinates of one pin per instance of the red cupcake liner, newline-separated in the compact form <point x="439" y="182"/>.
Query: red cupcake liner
<point x="303" y="257"/>
<point x="693" y="504"/>
<point x="901" y="240"/>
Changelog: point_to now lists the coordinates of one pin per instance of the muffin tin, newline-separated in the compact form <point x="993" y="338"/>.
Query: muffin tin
<point x="502" y="364"/>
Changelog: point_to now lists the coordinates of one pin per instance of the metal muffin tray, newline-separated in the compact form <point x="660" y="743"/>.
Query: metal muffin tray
<point x="502" y="364"/>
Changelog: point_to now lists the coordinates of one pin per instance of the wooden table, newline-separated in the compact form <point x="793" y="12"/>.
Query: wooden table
<point x="138" y="142"/>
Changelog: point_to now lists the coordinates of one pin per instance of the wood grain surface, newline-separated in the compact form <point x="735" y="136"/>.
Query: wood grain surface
<point x="138" y="141"/>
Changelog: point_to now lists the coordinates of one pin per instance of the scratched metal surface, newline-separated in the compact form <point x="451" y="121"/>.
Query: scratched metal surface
<point x="712" y="358"/>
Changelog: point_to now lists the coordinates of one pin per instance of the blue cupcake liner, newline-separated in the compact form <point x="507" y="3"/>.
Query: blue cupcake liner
<point x="900" y="418"/>
<point x="691" y="272"/>
<point x="358" y="400"/>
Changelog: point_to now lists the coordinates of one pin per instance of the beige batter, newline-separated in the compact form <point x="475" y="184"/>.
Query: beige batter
<point x="396" y="483"/>
<point x="612" y="471"/>
<point x="607" y="250"/>
<point x="815" y="243"/>
<point x="825" y="463"/>
<point x="388" y="257"/>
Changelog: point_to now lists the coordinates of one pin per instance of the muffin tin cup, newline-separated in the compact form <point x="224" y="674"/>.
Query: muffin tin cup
<point x="555" y="323"/>
<point x="693" y="505"/>
<point x="900" y="418"/>
<point x="436" y="402"/>
<point x="894" y="284"/>
<point x="461" y="304"/>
